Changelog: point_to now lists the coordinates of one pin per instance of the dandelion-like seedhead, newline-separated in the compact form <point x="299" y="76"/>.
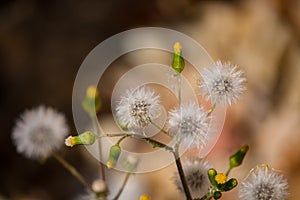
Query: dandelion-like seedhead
<point x="196" y="177"/>
<point x="138" y="108"/>
<point x="189" y="124"/>
<point x="39" y="131"/>
<point x="264" y="183"/>
<point x="222" y="84"/>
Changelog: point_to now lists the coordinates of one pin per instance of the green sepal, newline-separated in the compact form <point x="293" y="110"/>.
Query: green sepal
<point x="217" y="195"/>
<point x="87" y="137"/>
<point x="211" y="175"/>
<point x="230" y="184"/>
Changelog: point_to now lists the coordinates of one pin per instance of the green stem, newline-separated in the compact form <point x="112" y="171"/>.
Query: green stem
<point x="159" y="128"/>
<point x="72" y="170"/>
<point x="158" y="144"/>
<point x="101" y="169"/>
<point x="149" y="140"/>
<point x="179" y="88"/>
<point x="212" y="108"/>
<point x="181" y="174"/>
<point x="122" y="187"/>
<point x="228" y="171"/>
<point x="113" y="135"/>
<point x="122" y="138"/>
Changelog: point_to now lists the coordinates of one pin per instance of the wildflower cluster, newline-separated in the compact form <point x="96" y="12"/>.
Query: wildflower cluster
<point x="40" y="132"/>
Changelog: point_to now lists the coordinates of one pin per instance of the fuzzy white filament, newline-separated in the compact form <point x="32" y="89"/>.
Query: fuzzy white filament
<point x="196" y="177"/>
<point x="264" y="183"/>
<point x="222" y="84"/>
<point x="39" y="131"/>
<point x="189" y="124"/>
<point x="138" y="108"/>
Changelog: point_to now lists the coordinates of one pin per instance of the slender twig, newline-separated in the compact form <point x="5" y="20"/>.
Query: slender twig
<point x="72" y="170"/>
<point x="158" y="144"/>
<point x="149" y="140"/>
<point x="122" y="138"/>
<point x="159" y="128"/>
<point x="101" y="169"/>
<point x="212" y="108"/>
<point x="228" y="171"/>
<point x="113" y="135"/>
<point x="179" y="88"/>
<point x="123" y="186"/>
<point x="181" y="174"/>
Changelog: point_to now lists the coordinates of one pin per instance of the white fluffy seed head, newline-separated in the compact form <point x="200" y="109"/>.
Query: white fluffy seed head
<point x="222" y="84"/>
<point x="196" y="177"/>
<point x="137" y="108"/>
<point x="189" y="124"/>
<point x="264" y="183"/>
<point x="39" y="131"/>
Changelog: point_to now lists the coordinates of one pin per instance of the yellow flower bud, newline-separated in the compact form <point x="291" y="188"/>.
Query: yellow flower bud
<point x="177" y="48"/>
<point x="92" y="102"/>
<point x="92" y="92"/>
<point x="87" y="137"/>
<point x="145" y="197"/>
<point x="110" y="164"/>
<point x="178" y="61"/>
<point x="70" y="141"/>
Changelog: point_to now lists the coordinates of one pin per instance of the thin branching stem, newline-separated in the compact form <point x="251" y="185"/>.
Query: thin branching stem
<point x="72" y="170"/>
<point x="122" y="138"/>
<point x="181" y="174"/>
<point x="149" y="140"/>
<point x="179" y="88"/>
<point x="123" y="186"/>
<point x="212" y="108"/>
<point x="159" y="128"/>
<point x="228" y="171"/>
<point x="101" y="165"/>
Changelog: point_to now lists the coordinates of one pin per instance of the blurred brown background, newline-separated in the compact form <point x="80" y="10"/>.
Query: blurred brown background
<point x="42" y="44"/>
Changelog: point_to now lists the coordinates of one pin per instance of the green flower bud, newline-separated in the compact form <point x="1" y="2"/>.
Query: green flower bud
<point x="230" y="184"/>
<point x="211" y="175"/>
<point x="217" y="195"/>
<point x="92" y="102"/>
<point x="237" y="158"/>
<point x="178" y="61"/>
<point x="87" y="137"/>
<point x="114" y="154"/>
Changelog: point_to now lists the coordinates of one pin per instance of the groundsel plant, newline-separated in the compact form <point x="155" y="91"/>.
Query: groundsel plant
<point x="39" y="133"/>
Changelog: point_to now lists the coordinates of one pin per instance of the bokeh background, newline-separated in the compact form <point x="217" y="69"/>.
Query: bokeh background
<point x="42" y="45"/>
